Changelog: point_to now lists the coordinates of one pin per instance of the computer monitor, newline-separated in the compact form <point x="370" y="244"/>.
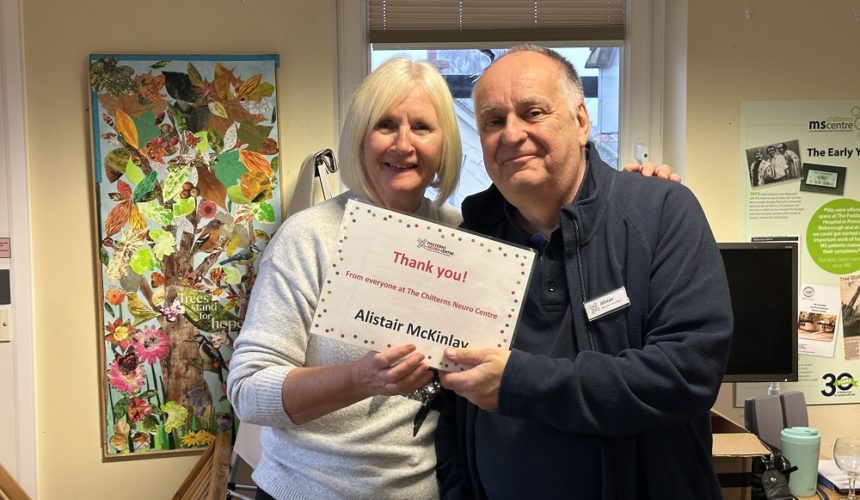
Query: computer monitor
<point x="763" y="286"/>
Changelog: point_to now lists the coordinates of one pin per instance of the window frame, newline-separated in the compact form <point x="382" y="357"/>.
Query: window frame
<point x="641" y="120"/>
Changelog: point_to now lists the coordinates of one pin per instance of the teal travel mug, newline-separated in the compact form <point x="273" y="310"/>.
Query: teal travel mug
<point x="801" y="446"/>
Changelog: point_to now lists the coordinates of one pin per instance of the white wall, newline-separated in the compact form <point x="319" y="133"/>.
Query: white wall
<point x="784" y="49"/>
<point x="58" y="38"/>
<point x="17" y="393"/>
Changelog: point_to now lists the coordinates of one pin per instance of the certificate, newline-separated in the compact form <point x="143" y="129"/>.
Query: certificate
<point x="398" y="279"/>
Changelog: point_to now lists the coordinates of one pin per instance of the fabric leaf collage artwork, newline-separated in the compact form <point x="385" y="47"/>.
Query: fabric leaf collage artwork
<point x="186" y="161"/>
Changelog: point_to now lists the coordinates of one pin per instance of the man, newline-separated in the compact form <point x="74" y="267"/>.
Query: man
<point x="777" y="170"/>
<point x="791" y="160"/>
<point x="593" y="401"/>
<point x="755" y="167"/>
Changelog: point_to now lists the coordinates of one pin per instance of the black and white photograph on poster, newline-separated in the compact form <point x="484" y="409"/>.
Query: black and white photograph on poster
<point x="774" y="163"/>
<point x="827" y="179"/>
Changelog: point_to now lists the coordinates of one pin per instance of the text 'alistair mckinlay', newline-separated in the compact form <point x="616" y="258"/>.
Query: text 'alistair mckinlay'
<point x="430" y="334"/>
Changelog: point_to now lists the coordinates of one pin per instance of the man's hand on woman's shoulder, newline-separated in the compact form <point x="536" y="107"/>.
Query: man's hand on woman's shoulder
<point x="650" y="169"/>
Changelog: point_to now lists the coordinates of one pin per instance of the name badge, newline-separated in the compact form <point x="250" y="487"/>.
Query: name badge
<point x="605" y="304"/>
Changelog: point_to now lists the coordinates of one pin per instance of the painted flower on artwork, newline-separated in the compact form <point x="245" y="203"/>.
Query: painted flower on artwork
<point x="121" y="427"/>
<point x="176" y="415"/>
<point x="124" y="375"/>
<point x="138" y="409"/>
<point x="205" y="438"/>
<point x="151" y="344"/>
<point x="207" y="209"/>
<point x="173" y="311"/>
<point x="114" y="296"/>
<point x="197" y="439"/>
<point x="119" y="442"/>
<point x="120" y="333"/>
<point x="189" y="440"/>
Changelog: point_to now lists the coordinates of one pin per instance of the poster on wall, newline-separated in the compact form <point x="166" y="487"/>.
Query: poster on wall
<point x="185" y="167"/>
<point x="800" y="176"/>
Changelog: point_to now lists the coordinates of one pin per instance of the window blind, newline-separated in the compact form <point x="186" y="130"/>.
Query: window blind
<point x="433" y="21"/>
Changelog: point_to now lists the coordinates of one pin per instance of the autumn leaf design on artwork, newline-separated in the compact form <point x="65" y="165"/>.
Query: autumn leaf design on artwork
<point x="186" y="165"/>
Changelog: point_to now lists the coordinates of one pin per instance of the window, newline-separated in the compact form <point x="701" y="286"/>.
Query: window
<point x="598" y="68"/>
<point x="621" y="64"/>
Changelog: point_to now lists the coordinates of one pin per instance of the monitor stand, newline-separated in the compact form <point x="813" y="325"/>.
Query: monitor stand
<point x="773" y="389"/>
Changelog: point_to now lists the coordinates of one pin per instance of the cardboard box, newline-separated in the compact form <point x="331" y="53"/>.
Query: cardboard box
<point x="733" y="451"/>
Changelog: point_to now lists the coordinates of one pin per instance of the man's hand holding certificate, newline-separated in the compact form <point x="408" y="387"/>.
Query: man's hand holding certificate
<point x="398" y="279"/>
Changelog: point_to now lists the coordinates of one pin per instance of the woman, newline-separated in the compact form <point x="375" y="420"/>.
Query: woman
<point x="336" y="422"/>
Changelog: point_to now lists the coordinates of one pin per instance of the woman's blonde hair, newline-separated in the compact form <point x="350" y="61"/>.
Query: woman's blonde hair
<point x="384" y="87"/>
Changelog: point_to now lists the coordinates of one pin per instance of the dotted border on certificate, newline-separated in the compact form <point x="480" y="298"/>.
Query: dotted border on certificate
<point x="355" y="214"/>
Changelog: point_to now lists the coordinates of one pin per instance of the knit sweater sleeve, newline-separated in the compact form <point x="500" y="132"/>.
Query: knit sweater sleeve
<point x="274" y="336"/>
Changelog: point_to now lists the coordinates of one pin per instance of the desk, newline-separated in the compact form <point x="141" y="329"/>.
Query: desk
<point x="831" y="495"/>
